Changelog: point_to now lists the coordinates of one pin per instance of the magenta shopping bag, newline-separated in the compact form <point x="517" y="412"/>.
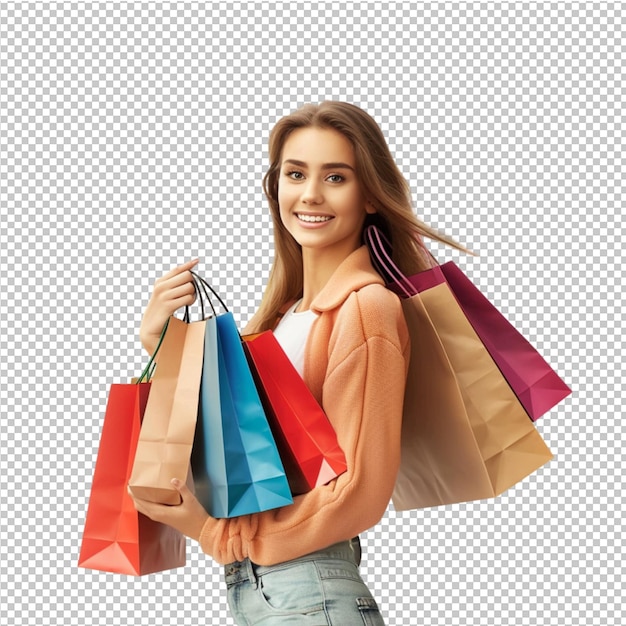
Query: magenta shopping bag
<point x="534" y="382"/>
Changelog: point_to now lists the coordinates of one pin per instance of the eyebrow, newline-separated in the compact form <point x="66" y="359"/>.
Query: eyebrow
<point x="325" y="166"/>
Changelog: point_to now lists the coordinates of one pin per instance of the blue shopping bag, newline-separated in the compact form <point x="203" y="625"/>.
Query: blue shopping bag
<point x="235" y="462"/>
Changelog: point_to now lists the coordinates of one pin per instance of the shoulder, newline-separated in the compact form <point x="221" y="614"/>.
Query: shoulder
<point x="375" y="298"/>
<point x="367" y="331"/>
<point x="374" y="311"/>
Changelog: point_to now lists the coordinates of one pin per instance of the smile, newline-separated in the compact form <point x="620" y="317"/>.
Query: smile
<point x="313" y="218"/>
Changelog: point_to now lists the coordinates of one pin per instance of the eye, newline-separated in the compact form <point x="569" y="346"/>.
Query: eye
<point x="294" y="174"/>
<point x="335" y="178"/>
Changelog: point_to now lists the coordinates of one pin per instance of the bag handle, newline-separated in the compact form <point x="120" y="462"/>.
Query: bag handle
<point x="376" y="242"/>
<point x="199" y="289"/>
<point x="202" y="289"/>
<point x="205" y="285"/>
<point x="379" y="246"/>
<point x="148" y="370"/>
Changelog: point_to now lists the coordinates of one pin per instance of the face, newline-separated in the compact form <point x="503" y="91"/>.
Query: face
<point x="320" y="199"/>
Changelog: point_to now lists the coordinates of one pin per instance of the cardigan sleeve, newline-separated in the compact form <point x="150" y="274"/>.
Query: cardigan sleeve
<point x="362" y="395"/>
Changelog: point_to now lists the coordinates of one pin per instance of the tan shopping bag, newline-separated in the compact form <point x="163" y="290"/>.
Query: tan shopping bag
<point x="169" y="423"/>
<point x="465" y="435"/>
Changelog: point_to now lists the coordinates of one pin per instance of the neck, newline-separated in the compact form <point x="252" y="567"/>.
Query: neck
<point x="317" y="266"/>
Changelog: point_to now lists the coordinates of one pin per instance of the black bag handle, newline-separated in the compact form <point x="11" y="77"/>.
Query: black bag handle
<point x="205" y="294"/>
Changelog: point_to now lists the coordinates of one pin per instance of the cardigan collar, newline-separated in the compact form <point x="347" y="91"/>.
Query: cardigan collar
<point x="355" y="272"/>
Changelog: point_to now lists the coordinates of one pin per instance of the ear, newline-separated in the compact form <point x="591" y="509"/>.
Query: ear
<point x="369" y="208"/>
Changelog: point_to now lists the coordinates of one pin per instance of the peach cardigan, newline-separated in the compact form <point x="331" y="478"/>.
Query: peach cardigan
<point x="356" y="361"/>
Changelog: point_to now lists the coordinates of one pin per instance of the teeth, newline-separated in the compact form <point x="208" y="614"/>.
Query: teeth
<point x="314" y="218"/>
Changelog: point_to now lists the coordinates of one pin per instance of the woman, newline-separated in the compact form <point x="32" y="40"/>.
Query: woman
<point x="330" y="174"/>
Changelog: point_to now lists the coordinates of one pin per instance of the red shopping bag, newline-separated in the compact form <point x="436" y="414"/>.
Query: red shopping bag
<point x="116" y="538"/>
<point x="306" y="440"/>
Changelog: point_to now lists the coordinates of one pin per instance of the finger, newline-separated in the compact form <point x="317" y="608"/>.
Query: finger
<point x="182" y="291"/>
<point x="181" y="296"/>
<point x="180" y="269"/>
<point x="184" y="279"/>
<point x="181" y="302"/>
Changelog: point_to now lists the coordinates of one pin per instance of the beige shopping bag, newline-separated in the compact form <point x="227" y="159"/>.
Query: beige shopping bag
<point x="169" y="423"/>
<point x="465" y="435"/>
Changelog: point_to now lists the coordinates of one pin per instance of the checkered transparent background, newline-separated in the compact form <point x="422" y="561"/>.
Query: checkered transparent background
<point x="133" y="137"/>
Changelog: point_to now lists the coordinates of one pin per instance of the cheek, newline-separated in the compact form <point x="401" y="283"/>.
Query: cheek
<point x="286" y="198"/>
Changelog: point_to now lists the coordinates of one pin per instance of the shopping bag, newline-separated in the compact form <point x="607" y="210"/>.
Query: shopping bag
<point x="535" y="383"/>
<point x="537" y="386"/>
<point x="465" y="434"/>
<point x="169" y="424"/>
<point x="235" y="462"/>
<point x="116" y="538"/>
<point x="306" y="440"/>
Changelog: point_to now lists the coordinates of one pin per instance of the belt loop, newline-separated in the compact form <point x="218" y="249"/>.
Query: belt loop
<point x="251" y="574"/>
<point x="355" y="546"/>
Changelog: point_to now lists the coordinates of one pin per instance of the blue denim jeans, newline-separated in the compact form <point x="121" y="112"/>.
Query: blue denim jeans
<point x="319" y="589"/>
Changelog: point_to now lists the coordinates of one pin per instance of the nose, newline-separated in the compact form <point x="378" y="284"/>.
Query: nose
<point x="312" y="192"/>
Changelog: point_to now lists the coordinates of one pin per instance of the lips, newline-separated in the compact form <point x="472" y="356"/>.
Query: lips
<point x="313" y="219"/>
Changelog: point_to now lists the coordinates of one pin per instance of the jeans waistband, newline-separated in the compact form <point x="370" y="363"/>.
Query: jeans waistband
<point x="241" y="571"/>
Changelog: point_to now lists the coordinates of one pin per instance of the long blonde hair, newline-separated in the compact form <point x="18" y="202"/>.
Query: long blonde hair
<point x="382" y="182"/>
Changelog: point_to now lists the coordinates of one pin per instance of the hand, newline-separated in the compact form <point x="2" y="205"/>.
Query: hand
<point x="188" y="517"/>
<point x="171" y="292"/>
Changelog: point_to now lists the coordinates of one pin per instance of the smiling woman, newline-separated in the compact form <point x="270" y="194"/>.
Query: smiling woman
<point x="330" y="172"/>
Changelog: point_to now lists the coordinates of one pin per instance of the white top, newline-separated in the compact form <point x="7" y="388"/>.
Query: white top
<point x="292" y="333"/>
